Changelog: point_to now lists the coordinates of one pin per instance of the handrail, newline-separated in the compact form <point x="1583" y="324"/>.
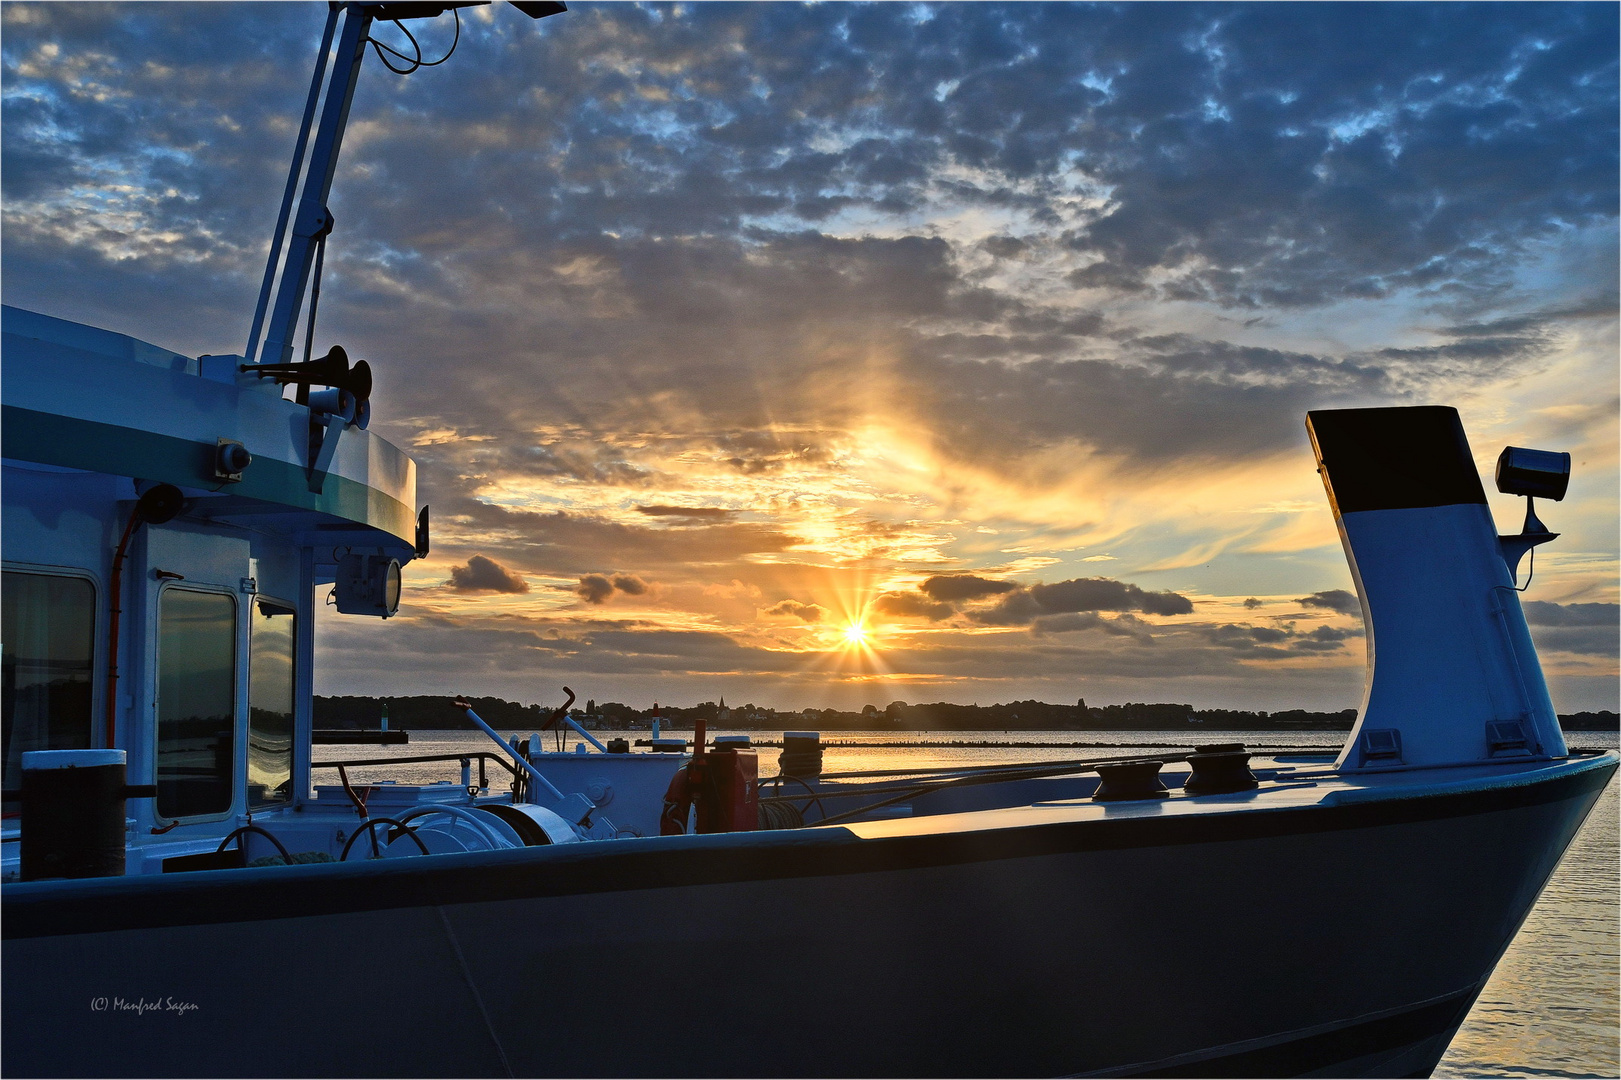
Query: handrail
<point x="464" y="757"/>
<point x="482" y="755"/>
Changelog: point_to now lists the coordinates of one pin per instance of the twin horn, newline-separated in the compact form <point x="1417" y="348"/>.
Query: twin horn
<point x="330" y="370"/>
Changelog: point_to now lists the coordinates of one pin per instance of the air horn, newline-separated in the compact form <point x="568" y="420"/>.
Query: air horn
<point x="330" y="370"/>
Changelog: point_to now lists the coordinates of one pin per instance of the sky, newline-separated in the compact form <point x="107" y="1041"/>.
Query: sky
<point x="827" y="355"/>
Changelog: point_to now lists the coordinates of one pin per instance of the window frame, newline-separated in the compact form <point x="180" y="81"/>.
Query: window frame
<point x="239" y="759"/>
<point x="98" y="635"/>
<point x="289" y="608"/>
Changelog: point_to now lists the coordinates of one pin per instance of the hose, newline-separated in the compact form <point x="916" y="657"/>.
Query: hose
<point x="373" y="822"/>
<point x="288" y="859"/>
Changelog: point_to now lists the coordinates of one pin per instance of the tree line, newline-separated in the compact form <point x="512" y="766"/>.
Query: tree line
<point x="436" y="712"/>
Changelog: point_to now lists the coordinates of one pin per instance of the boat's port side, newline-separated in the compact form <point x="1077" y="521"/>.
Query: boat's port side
<point x="1101" y="925"/>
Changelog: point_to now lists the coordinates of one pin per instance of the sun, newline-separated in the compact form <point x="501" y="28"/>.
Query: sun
<point x="855" y="634"/>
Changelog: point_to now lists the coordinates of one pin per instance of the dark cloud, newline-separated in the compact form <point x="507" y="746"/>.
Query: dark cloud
<point x="1079" y="594"/>
<point x="1123" y="625"/>
<point x="1274" y="642"/>
<point x="1252" y="602"/>
<point x="704" y="512"/>
<point x="1544" y="613"/>
<point x="956" y="587"/>
<point x="912" y="605"/>
<point x="811" y="613"/>
<point x="486" y="575"/>
<point x="594" y="588"/>
<point x="630" y="584"/>
<point x="1105" y="594"/>
<point x="1338" y="600"/>
<point x="565" y="543"/>
<point x="598" y="588"/>
<point x="1583" y="629"/>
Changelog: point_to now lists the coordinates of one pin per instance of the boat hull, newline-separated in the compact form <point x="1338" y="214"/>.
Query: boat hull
<point x="1343" y="939"/>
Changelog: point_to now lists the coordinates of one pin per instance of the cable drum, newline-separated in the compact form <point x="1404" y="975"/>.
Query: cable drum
<point x="780" y="815"/>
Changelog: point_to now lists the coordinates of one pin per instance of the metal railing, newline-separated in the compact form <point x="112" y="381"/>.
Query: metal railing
<point x="466" y="760"/>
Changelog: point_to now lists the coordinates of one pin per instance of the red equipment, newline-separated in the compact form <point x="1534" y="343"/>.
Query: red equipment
<point x="723" y="784"/>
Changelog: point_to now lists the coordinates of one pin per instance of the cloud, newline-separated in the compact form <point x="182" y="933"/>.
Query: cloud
<point x="566" y="543"/>
<point x="1252" y="602"/>
<point x="1545" y="613"/>
<point x="1105" y="594"/>
<point x="630" y="584"/>
<point x="1124" y="625"/>
<point x="811" y="613"/>
<point x="801" y="298"/>
<point x="1079" y="594"/>
<point x="486" y="575"/>
<point x="1338" y="600"/>
<point x="956" y="587"/>
<point x="1581" y="629"/>
<point x="912" y="605"/>
<point x="598" y="588"/>
<point x="703" y="512"/>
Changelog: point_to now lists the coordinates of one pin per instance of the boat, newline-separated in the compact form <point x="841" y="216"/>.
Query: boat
<point x="187" y="891"/>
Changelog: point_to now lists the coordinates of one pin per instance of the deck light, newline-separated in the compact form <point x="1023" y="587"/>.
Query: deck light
<point x="1539" y="474"/>
<point x="368" y="585"/>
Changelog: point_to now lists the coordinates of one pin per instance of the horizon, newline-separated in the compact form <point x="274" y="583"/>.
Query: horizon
<point x="845" y="354"/>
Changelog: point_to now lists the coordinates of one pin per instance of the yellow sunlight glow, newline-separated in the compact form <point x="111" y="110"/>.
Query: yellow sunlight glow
<point x="855" y="635"/>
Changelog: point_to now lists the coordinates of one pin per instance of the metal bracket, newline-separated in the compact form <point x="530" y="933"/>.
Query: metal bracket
<point x="325" y="428"/>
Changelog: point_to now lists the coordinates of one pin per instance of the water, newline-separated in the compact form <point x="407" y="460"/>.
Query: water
<point x="1550" y="1009"/>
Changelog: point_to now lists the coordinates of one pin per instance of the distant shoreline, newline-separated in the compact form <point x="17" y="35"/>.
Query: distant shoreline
<point x="438" y="713"/>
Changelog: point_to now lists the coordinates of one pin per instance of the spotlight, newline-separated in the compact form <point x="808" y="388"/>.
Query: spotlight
<point x="1539" y="474"/>
<point x="368" y="585"/>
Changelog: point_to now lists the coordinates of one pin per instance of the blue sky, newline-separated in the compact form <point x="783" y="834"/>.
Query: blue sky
<point x="717" y="328"/>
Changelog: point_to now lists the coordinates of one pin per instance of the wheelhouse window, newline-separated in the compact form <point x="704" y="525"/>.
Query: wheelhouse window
<point x="47" y="644"/>
<point x="270" y="704"/>
<point x="196" y="702"/>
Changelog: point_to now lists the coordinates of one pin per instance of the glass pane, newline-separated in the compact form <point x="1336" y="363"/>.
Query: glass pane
<point x="196" y="702"/>
<point x="46" y="644"/>
<point x="270" y="705"/>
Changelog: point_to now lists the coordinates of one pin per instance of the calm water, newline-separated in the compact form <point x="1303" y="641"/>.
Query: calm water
<point x="1550" y="1009"/>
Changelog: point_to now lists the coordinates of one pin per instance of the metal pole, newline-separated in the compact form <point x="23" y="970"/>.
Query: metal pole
<point x="584" y="734"/>
<point x="491" y="732"/>
<point x="292" y="180"/>
<point x="312" y="220"/>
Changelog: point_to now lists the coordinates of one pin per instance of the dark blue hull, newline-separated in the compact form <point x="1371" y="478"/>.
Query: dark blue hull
<point x="1333" y="939"/>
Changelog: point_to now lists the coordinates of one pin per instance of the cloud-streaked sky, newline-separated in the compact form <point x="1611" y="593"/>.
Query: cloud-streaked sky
<point x="716" y="328"/>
